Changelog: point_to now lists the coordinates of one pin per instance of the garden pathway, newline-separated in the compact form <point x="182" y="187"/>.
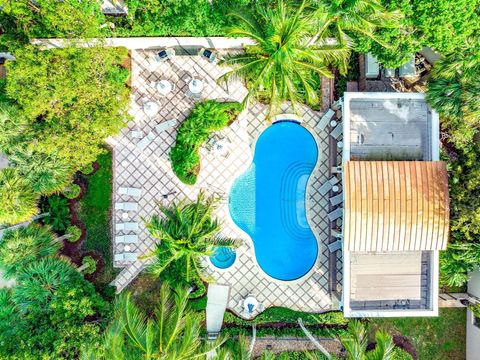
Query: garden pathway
<point x="150" y="170"/>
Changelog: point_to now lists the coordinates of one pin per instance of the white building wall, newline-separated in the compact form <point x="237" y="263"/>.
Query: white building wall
<point x="473" y="332"/>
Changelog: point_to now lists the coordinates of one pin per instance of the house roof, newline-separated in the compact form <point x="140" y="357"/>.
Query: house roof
<point x="395" y="206"/>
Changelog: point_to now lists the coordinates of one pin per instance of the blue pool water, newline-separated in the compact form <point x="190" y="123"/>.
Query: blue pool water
<point x="268" y="201"/>
<point x="223" y="257"/>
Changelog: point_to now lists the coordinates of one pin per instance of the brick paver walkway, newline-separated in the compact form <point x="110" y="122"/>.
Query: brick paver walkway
<point x="150" y="170"/>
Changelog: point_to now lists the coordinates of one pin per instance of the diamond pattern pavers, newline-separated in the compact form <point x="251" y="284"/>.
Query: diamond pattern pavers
<point x="151" y="170"/>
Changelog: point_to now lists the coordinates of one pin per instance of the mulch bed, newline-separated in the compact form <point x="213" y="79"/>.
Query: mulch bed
<point x="402" y="342"/>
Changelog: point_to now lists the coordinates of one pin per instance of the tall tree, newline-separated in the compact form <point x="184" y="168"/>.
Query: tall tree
<point x="172" y="333"/>
<point x="186" y="232"/>
<point x="24" y="245"/>
<point x="18" y="202"/>
<point x="282" y="65"/>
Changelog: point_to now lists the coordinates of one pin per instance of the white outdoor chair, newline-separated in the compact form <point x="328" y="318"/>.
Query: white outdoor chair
<point x="126" y="239"/>
<point x="337" y="199"/>
<point x="327" y="186"/>
<point x="335" y="214"/>
<point x="208" y="54"/>
<point x="126" y="257"/>
<point x="136" y="134"/>
<point x="130" y="191"/>
<point x="337" y="131"/>
<point x="325" y="120"/>
<point x="127" y="206"/>
<point x="165" y="125"/>
<point x="127" y="226"/>
<point x="164" y="55"/>
<point x="334" y="246"/>
<point x="142" y="144"/>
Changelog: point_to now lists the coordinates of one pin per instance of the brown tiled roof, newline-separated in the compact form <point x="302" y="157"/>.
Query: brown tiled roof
<point x="395" y="205"/>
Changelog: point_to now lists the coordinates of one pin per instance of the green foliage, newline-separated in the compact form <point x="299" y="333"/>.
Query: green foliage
<point x="282" y="63"/>
<point x="13" y="126"/>
<point x="72" y="191"/>
<point x="24" y="245"/>
<point x="18" y="202"/>
<point x="205" y="118"/>
<point x="90" y="265"/>
<point x="186" y="232"/>
<point x="53" y="312"/>
<point x="73" y="98"/>
<point x="87" y="169"/>
<point x="58" y="213"/>
<point x="94" y="211"/>
<point x="74" y="233"/>
<point x="475" y="310"/>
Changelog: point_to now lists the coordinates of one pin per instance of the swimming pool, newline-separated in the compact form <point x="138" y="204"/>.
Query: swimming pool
<point x="268" y="201"/>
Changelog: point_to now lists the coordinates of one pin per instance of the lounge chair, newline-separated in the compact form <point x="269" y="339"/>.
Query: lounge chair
<point x="337" y="132"/>
<point x="126" y="239"/>
<point x="327" y="186"/>
<point x="164" y="55"/>
<point x="127" y="226"/>
<point x="334" y="246"/>
<point x="325" y="120"/>
<point x="335" y="214"/>
<point x="126" y="257"/>
<point x="336" y="233"/>
<point x="408" y="69"/>
<point x="372" y="68"/>
<point x="165" y="125"/>
<point x="136" y="134"/>
<point x="337" y="199"/>
<point x="130" y="191"/>
<point x="142" y="144"/>
<point x="128" y="206"/>
<point x="208" y="54"/>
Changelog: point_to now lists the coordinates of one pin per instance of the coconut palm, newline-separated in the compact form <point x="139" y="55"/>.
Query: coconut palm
<point x="359" y="17"/>
<point x="186" y="232"/>
<point x="172" y="333"/>
<point x="47" y="173"/>
<point x="282" y="65"/>
<point x="21" y="246"/>
<point x="18" y="202"/>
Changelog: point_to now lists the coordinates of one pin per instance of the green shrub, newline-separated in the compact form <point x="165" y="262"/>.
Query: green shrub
<point x="205" y="118"/>
<point x="90" y="265"/>
<point x="87" y="169"/>
<point x="58" y="213"/>
<point x="74" y="233"/>
<point x="72" y="191"/>
<point x="400" y="354"/>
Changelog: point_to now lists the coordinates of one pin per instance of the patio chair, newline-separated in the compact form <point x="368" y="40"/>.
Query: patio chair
<point x="142" y="144"/>
<point x="336" y="233"/>
<point x="325" y="120"/>
<point x="327" y="186"/>
<point x="126" y="239"/>
<point x="164" y="55"/>
<point x="337" y="132"/>
<point x="334" y="246"/>
<point x="128" y="206"/>
<point x="335" y="214"/>
<point x="166" y="125"/>
<point x="126" y="226"/>
<point x="130" y="191"/>
<point x="208" y="54"/>
<point x="136" y="134"/>
<point x="126" y="257"/>
<point x="337" y="199"/>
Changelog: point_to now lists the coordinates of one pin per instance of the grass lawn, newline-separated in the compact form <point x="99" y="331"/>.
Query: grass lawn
<point x="441" y="338"/>
<point x="94" y="212"/>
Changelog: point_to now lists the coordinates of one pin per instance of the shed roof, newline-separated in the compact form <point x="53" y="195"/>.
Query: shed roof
<point x="395" y="206"/>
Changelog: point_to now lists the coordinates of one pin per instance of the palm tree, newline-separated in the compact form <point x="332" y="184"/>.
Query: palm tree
<point x="172" y="333"/>
<point x="186" y="232"/>
<point x="18" y="200"/>
<point x="21" y="246"/>
<point x="360" y="17"/>
<point x="47" y="173"/>
<point x="13" y="125"/>
<point x="282" y="65"/>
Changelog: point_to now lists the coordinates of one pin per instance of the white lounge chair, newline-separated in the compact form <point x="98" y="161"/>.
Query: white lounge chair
<point x="165" y="125"/>
<point x="127" y="206"/>
<point x="325" y="120"/>
<point x="408" y="69"/>
<point x="127" y="226"/>
<point x="142" y="144"/>
<point x="337" y="132"/>
<point x="136" y="134"/>
<point x="337" y="199"/>
<point x="327" y="186"/>
<point x="334" y="246"/>
<point x="130" y="191"/>
<point x="372" y="68"/>
<point x="335" y="214"/>
<point x="126" y="239"/>
<point x="126" y="257"/>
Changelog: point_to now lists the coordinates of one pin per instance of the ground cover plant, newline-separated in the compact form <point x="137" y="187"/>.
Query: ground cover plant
<point x="206" y="117"/>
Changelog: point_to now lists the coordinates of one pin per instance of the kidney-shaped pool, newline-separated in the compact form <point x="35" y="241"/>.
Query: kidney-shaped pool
<point x="268" y="201"/>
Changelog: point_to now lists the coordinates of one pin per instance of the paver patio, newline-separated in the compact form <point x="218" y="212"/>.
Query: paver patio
<point x="150" y="170"/>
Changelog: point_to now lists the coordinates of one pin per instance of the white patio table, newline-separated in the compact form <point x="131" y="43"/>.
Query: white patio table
<point x="164" y="87"/>
<point x="195" y="86"/>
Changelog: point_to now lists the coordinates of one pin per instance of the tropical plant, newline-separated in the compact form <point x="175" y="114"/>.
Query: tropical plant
<point x="458" y="261"/>
<point x="58" y="213"/>
<point x="205" y="118"/>
<point x="13" y="126"/>
<point x="47" y="173"/>
<point x="24" y="245"/>
<point x="282" y="65"/>
<point x="73" y="98"/>
<point x="186" y="232"/>
<point x="18" y="202"/>
<point x="89" y="265"/>
<point x="172" y="333"/>
<point x="72" y="191"/>
<point x="73" y="233"/>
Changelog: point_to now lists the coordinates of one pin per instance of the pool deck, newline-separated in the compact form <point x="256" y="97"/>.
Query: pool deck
<point x="150" y="170"/>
